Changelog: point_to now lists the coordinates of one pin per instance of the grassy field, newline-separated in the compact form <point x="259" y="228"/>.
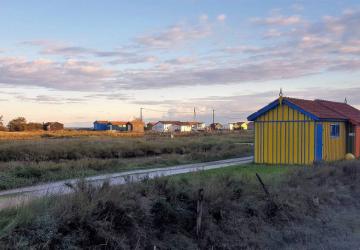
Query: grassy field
<point x="26" y="162"/>
<point x="308" y="208"/>
<point x="68" y="133"/>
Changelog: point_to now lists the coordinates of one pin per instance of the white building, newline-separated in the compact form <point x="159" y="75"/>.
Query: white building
<point x="177" y="126"/>
<point x="238" y="126"/>
<point x="197" y="126"/>
<point x="166" y="126"/>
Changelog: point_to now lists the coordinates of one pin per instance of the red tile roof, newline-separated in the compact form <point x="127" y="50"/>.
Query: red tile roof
<point x="118" y="123"/>
<point x="179" y="123"/>
<point x="352" y="114"/>
<point x="328" y="109"/>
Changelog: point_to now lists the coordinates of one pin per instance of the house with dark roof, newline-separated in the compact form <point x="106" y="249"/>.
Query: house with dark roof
<point x="298" y="131"/>
<point x="53" y="126"/>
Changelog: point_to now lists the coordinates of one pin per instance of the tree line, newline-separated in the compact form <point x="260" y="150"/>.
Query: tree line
<point x="20" y="124"/>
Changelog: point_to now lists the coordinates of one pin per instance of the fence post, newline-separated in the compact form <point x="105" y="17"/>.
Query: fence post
<point x="199" y="211"/>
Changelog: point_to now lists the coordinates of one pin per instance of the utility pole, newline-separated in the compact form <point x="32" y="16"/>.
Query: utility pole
<point x="213" y="116"/>
<point x="141" y="114"/>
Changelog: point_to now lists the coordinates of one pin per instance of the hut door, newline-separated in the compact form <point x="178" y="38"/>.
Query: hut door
<point x="319" y="142"/>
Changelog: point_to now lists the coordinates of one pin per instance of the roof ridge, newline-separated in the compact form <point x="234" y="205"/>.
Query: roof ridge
<point x="322" y="100"/>
<point x="337" y="112"/>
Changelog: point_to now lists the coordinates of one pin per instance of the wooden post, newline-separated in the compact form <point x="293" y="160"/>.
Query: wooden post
<point x="263" y="185"/>
<point x="199" y="211"/>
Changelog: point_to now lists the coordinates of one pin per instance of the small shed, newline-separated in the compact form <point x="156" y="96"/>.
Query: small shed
<point x="118" y="126"/>
<point x="238" y="126"/>
<point x="136" y="126"/>
<point x="101" y="125"/>
<point x="53" y="126"/>
<point x="298" y="131"/>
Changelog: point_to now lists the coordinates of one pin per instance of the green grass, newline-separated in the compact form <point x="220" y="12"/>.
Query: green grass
<point x="248" y="171"/>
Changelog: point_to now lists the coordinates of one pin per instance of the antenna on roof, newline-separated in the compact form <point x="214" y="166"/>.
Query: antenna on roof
<point x="345" y="101"/>
<point x="280" y="96"/>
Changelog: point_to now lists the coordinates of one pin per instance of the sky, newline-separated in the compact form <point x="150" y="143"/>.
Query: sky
<point x="81" y="61"/>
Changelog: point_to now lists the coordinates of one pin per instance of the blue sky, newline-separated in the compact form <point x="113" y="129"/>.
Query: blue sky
<point x="78" y="61"/>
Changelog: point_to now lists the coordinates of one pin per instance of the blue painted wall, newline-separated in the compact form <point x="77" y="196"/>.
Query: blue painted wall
<point x="100" y="126"/>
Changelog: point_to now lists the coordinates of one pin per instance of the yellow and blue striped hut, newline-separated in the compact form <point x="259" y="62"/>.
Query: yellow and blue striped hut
<point x="298" y="131"/>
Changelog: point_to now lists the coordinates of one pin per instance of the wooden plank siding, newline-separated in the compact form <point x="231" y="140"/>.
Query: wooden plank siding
<point x="357" y="141"/>
<point x="284" y="136"/>
<point x="334" y="148"/>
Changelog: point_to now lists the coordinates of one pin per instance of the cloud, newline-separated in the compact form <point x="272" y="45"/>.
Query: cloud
<point x="118" y="56"/>
<point x="278" y="20"/>
<point x="47" y="99"/>
<point x="174" y="35"/>
<point x="203" y="17"/>
<point x="272" y="33"/>
<point x="110" y="96"/>
<point x="330" y="44"/>
<point x="181" y="60"/>
<point x="221" y="17"/>
<point x="68" y="75"/>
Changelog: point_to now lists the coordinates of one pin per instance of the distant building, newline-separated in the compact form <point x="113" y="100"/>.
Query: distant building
<point x="197" y="126"/>
<point x="166" y="126"/>
<point x="238" y="126"/>
<point x="178" y="126"/>
<point x="101" y="125"/>
<point x="118" y="126"/>
<point x="121" y="126"/>
<point x="216" y="126"/>
<point x="136" y="125"/>
<point x="150" y="125"/>
<point x="53" y="126"/>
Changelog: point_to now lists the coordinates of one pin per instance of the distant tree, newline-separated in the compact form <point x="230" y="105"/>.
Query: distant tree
<point x="17" y="124"/>
<point x="32" y="126"/>
<point x="2" y="127"/>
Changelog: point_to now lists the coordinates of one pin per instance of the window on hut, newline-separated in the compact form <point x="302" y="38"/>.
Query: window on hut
<point x="335" y="130"/>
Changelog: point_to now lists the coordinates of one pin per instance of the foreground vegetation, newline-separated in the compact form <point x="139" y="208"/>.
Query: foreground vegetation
<point x="308" y="208"/>
<point x="27" y="162"/>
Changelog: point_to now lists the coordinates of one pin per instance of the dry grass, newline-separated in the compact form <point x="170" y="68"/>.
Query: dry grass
<point x="309" y="208"/>
<point x="26" y="135"/>
<point x="26" y="162"/>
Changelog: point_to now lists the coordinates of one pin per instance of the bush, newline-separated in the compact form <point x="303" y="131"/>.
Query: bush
<point x="18" y="124"/>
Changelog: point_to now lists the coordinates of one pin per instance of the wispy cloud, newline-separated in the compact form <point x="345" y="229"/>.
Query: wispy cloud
<point x="47" y="99"/>
<point x="68" y="75"/>
<point x="221" y="17"/>
<point x="278" y="20"/>
<point x="175" y="35"/>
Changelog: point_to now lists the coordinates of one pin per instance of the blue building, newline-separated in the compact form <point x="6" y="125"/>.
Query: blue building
<point x="101" y="125"/>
